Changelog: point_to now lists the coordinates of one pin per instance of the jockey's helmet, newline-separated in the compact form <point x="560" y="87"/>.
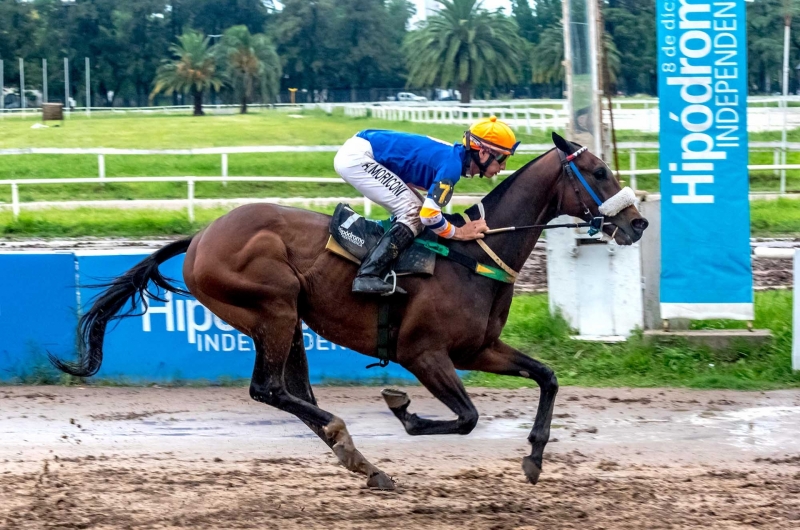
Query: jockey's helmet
<point x="492" y="134"/>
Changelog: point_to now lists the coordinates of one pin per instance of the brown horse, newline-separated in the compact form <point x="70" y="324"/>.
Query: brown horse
<point x="263" y="268"/>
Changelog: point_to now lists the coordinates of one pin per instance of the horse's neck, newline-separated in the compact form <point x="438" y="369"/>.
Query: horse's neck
<point x="530" y="199"/>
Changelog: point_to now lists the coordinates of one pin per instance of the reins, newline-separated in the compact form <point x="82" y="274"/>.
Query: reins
<point x="568" y="166"/>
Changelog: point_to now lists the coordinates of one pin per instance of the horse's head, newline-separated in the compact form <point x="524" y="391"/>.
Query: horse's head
<point x="590" y="190"/>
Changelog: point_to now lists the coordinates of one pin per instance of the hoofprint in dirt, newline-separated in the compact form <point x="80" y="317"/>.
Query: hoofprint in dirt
<point x="767" y="273"/>
<point x="211" y="458"/>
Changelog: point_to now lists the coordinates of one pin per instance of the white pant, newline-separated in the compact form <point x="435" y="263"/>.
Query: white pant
<point x="355" y="164"/>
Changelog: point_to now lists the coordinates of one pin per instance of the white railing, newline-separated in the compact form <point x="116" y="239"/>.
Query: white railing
<point x="191" y="181"/>
<point x="631" y="147"/>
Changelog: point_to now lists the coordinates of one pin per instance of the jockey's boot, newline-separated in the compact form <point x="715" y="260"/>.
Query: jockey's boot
<point x="376" y="265"/>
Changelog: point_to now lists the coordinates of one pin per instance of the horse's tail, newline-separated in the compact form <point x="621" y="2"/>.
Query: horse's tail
<point x="128" y="288"/>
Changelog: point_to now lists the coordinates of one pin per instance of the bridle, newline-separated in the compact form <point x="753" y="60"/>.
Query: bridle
<point x="609" y="208"/>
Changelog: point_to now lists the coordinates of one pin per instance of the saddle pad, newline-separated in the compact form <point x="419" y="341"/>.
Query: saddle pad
<point x="353" y="236"/>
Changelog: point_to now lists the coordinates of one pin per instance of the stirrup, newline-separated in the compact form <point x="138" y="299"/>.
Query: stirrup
<point x="394" y="283"/>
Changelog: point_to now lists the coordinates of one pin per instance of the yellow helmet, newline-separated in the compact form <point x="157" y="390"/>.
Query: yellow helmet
<point x="492" y="134"/>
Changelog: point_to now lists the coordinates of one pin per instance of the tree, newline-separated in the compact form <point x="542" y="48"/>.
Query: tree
<point x="632" y="24"/>
<point x="523" y="15"/>
<point x="464" y="46"/>
<point x="193" y="70"/>
<point x="548" y="56"/>
<point x="251" y="62"/>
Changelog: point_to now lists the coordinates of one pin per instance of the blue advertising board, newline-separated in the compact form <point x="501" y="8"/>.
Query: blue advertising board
<point x="705" y="229"/>
<point x="176" y="340"/>
<point x="37" y="312"/>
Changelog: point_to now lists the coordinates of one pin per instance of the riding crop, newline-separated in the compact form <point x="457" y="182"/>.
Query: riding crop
<point x="595" y="225"/>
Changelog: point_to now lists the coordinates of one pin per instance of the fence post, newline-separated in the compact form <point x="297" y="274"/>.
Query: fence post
<point x="224" y="169"/>
<point x="367" y="207"/>
<point x="101" y="166"/>
<point x="527" y="121"/>
<point x="783" y="171"/>
<point x="776" y="159"/>
<point x="633" y="169"/>
<point x="15" y="200"/>
<point x="190" y="206"/>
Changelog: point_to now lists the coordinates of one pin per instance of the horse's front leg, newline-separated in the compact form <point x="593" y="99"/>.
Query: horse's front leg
<point x="502" y="359"/>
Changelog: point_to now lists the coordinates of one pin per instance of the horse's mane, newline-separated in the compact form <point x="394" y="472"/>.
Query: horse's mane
<point x="494" y="196"/>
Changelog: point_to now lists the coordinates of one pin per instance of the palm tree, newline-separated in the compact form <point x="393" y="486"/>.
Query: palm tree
<point x="548" y="56"/>
<point x="193" y="70"/>
<point x="464" y="46"/>
<point x="252" y="61"/>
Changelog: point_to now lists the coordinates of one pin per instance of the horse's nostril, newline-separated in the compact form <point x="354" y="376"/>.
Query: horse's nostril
<point x="640" y="224"/>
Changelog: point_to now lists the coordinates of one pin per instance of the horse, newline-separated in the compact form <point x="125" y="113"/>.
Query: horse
<point x="263" y="269"/>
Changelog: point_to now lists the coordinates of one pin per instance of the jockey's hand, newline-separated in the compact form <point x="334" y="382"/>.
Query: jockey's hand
<point x="471" y="230"/>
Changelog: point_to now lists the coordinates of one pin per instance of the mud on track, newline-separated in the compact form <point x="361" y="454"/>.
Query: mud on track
<point x="106" y="458"/>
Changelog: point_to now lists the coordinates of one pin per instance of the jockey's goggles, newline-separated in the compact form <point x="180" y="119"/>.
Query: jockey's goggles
<point x="498" y="151"/>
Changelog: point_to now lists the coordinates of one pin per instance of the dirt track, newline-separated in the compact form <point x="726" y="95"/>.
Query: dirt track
<point x="212" y="458"/>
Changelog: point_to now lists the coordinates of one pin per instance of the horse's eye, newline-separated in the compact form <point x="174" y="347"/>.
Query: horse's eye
<point x="600" y="173"/>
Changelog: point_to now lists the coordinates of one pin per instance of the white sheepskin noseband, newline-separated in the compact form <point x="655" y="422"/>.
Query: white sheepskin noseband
<point x="626" y="197"/>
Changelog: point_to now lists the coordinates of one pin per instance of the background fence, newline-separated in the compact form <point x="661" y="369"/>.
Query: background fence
<point x="632" y="149"/>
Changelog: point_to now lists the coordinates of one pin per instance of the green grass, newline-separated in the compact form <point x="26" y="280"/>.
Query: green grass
<point x="533" y="330"/>
<point x="178" y="131"/>
<point x="775" y="218"/>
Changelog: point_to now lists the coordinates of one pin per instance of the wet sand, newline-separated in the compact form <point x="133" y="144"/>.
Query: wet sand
<point x="211" y="458"/>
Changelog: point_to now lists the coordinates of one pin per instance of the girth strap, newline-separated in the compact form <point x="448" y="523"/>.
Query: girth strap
<point x="491" y="253"/>
<point x="386" y="348"/>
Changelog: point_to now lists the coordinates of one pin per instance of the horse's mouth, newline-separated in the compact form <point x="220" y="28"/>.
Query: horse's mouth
<point x="618" y="234"/>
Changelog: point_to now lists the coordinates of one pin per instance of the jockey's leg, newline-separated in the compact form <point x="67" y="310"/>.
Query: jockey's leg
<point x="437" y="373"/>
<point x="500" y="358"/>
<point x="355" y="164"/>
<point x="371" y="277"/>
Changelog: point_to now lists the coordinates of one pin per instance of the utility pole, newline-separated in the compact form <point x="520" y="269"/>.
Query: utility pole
<point x="88" y="89"/>
<point x="787" y="24"/>
<point x="66" y="85"/>
<point x="23" y="104"/>
<point x="44" y="80"/>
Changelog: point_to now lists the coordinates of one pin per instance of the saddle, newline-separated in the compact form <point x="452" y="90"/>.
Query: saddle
<point x="353" y="236"/>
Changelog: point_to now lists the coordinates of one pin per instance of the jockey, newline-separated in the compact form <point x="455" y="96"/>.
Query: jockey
<point x="386" y="165"/>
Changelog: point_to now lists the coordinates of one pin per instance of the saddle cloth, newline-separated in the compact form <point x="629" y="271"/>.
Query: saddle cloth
<point x="353" y="236"/>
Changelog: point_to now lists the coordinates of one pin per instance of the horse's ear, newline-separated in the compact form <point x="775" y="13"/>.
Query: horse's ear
<point x="562" y="144"/>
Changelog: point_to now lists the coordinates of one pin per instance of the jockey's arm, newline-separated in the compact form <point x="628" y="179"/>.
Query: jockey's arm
<point x="431" y="215"/>
<point x="431" y="212"/>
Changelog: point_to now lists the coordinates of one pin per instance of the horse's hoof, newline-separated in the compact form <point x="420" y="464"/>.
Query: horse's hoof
<point x="380" y="481"/>
<point x="532" y="471"/>
<point x="395" y="398"/>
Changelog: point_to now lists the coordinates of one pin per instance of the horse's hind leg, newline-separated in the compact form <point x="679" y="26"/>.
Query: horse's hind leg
<point x="280" y="378"/>
<point x="438" y="375"/>
<point x="502" y="359"/>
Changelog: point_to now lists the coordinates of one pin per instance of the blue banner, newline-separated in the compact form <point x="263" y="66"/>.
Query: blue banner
<point x="173" y="341"/>
<point x="705" y="211"/>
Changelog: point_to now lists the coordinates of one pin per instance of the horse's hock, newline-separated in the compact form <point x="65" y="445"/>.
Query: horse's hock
<point x="606" y="291"/>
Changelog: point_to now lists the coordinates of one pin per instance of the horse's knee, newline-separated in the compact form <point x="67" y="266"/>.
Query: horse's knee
<point x="467" y="422"/>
